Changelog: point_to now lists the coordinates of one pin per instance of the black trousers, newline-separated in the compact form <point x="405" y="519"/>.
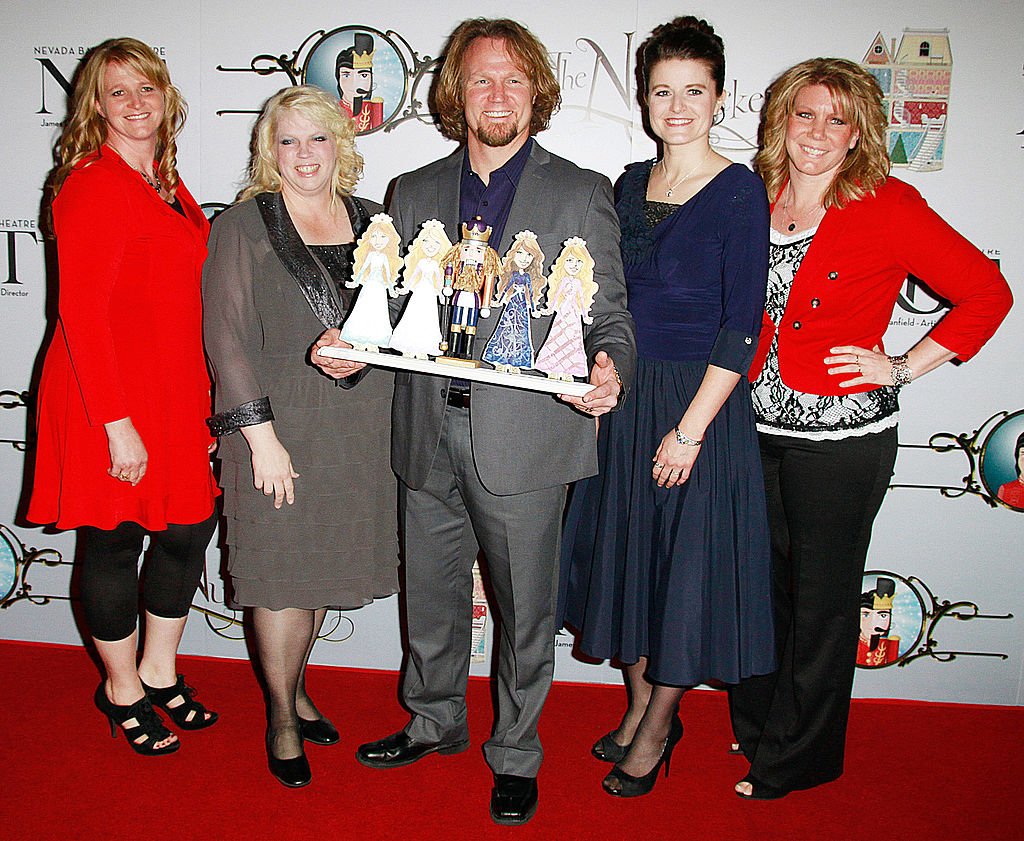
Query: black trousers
<point x="823" y="497"/>
<point x="110" y="574"/>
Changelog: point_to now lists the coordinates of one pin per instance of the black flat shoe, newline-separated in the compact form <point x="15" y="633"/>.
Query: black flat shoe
<point x="318" y="732"/>
<point x="138" y="720"/>
<point x="293" y="772"/>
<point x="513" y="799"/>
<point x="760" y="791"/>
<point x="608" y="750"/>
<point x="188" y="713"/>
<point x="398" y="749"/>
<point x="630" y="786"/>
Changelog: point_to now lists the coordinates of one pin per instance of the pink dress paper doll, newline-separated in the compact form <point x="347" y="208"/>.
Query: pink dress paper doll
<point x="520" y="287"/>
<point x="418" y="332"/>
<point x="375" y="268"/>
<point x="571" y="289"/>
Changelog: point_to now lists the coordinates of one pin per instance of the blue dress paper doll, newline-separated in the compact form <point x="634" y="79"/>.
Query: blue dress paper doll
<point x="520" y="287"/>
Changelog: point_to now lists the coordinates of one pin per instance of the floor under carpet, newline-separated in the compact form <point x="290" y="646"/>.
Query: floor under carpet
<point x="914" y="771"/>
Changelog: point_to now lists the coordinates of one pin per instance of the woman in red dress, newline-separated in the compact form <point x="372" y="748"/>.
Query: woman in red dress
<point x="123" y="450"/>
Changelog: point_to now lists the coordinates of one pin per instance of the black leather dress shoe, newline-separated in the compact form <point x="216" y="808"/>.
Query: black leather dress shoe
<point x="398" y="749"/>
<point x="293" y="772"/>
<point x="319" y="732"/>
<point x="513" y="799"/>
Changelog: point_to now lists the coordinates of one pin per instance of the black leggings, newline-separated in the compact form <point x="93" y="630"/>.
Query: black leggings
<point x="110" y="574"/>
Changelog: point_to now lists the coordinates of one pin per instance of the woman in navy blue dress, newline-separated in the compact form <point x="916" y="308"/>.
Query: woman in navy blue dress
<point x="666" y="561"/>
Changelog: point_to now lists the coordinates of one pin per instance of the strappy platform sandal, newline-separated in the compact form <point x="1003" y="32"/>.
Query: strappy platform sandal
<point x="188" y="714"/>
<point x="137" y="720"/>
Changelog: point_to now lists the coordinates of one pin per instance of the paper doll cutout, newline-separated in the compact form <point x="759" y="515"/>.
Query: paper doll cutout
<point x="375" y="268"/>
<point x="520" y="288"/>
<point x="571" y="290"/>
<point x="418" y="332"/>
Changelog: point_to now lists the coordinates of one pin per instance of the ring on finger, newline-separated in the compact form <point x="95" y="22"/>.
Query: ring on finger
<point x="659" y="465"/>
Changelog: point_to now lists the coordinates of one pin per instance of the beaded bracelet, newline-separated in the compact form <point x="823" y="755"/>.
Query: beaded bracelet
<point x="901" y="373"/>
<point x="683" y="438"/>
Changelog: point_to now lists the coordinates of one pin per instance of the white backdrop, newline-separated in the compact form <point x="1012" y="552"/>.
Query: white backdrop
<point x="958" y="544"/>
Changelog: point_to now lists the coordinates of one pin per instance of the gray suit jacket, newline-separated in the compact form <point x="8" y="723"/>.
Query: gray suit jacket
<point x="522" y="440"/>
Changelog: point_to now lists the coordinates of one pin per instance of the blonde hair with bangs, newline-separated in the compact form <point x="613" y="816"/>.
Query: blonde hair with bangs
<point x="858" y="97"/>
<point x="322" y="110"/>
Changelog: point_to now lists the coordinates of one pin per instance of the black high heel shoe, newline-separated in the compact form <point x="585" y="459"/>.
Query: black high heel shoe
<point x="294" y="772"/>
<point x="189" y="714"/>
<point x="630" y="786"/>
<point x="318" y="731"/>
<point x="608" y="750"/>
<point x="147" y="723"/>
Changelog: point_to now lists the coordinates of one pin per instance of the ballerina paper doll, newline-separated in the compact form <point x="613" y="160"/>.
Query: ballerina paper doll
<point x="520" y="287"/>
<point x="375" y="267"/>
<point x="571" y="290"/>
<point x="418" y="333"/>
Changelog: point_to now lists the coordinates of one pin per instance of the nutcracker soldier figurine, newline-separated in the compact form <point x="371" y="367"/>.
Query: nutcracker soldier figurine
<point x="470" y="271"/>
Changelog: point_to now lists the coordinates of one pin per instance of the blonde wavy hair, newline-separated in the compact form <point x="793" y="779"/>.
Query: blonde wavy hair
<point x="379" y="222"/>
<point x="319" y="108"/>
<point x="574" y="247"/>
<point x="523" y="47"/>
<point x="432" y="229"/>
<point x="858" y="98"/>
<point x="527" y="241"/>
<point x="85" y="129"/>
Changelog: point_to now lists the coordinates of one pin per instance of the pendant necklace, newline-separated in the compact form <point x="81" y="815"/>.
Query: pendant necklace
<point x="153" y="182"/>
<point x="664" y="172"/>
<point x="793" y="219"/>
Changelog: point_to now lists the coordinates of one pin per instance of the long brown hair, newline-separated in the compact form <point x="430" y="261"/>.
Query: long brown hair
<point x="858" y="97"/>
<point x="86" y="130"/>
<point x="523" y="47"/>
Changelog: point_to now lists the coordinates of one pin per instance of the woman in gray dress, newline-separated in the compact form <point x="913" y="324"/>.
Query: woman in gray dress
<point x="309" y="496"/>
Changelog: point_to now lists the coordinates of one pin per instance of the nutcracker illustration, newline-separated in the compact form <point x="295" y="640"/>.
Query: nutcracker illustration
<point x="470" y="271"/>
<point x="875" y="647"/>
<point x="353" y="69"/>
<point x="375" y="267"/>
<point x="571" y="290"/>
<point x="418" y="332"/>
<point x="520" y="288"/>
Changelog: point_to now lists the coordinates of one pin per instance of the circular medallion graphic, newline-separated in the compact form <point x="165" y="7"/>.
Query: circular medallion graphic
<point x="892" y="619"/>
<point x="8" y="567"/>
<point x="364" y="69"/>
<point x="1002" y="461"/>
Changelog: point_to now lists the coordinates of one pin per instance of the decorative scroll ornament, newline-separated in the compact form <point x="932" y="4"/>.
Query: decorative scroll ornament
<point x="16" y="562"/>
<point x="995" y="461"/>
<point x="14" y="400"/>
<point x="898" y="621"/>
<point x="377" y="77"/>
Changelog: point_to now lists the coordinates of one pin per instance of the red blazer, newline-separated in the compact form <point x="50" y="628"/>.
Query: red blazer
<point x="846" y="287"/>
<point x="127" y="343"/>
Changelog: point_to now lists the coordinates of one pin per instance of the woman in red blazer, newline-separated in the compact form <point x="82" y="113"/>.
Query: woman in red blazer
<point x="844" y="237"/>
<point x="122" y="448"/>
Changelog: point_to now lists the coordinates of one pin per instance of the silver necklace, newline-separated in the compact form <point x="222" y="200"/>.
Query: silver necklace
<point x="153" y="182"/>
<point x="794" y="219"/>
<point x="664" y="173"/>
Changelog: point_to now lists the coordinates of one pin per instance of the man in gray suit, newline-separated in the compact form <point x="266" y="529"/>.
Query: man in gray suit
<point x="487" y="466"/>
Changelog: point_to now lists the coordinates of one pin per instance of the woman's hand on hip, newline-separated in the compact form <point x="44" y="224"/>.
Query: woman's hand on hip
<point x="128" y="456"/>
<point x="868" y="367"/>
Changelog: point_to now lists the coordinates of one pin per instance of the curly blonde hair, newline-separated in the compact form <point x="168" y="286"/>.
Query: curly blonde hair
<point x="858" y="98"/>
<point x="85" y="129"/>
<point x="319" y="108"/>
<point x="527" y="241"/>
<point x="574" y="247"/>
<point x="379" y="222"/>
<point x="523" y="47"/>
<point x="431" y="229"/>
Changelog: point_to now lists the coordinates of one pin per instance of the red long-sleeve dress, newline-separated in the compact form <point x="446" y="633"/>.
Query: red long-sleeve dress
<point x="128" y="343"/>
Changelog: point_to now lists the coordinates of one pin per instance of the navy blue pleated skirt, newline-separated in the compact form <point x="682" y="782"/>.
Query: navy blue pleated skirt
<point x="682" y="575"/>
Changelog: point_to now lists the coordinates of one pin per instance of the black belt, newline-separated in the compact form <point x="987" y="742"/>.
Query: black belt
<point x="458" y="397"/>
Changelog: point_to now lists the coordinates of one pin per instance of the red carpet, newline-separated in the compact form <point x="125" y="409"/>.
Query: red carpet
<point x="914" y="771"/>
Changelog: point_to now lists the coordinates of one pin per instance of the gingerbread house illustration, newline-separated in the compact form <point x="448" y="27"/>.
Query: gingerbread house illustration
<point x="915" y="79"/>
